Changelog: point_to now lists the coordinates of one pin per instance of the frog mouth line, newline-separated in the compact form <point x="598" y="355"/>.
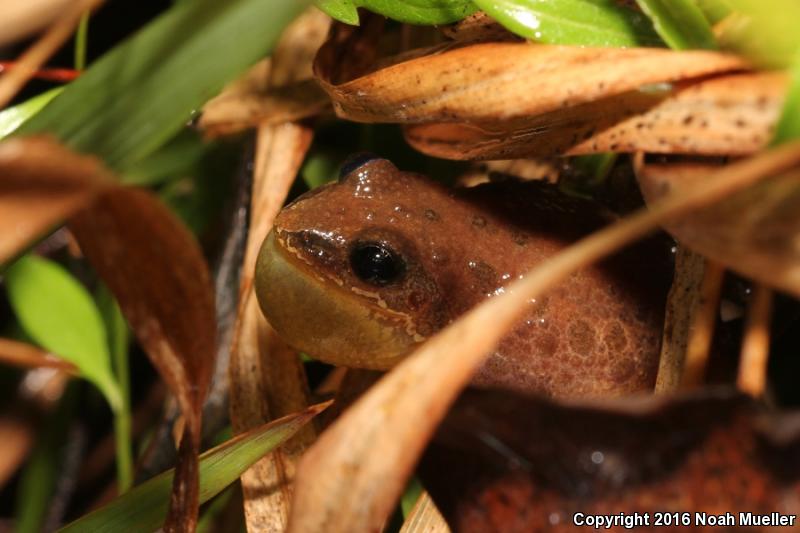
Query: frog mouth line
<point x="321" y="318"/>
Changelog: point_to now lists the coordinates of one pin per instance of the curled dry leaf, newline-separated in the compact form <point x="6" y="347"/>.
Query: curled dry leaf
<point x="540" y="100"/>
<point x="157" y="272"/>
<point x="512" y="81"/>
<point x="231" y="113"/>
<point x="754" y="232"/>
<point x="352" y="476"/>
<point x="502" y="462"/>
<point x="727" y="115"/>
<point x="42" y="185"/>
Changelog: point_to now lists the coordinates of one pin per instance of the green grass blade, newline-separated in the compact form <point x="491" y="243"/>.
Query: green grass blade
<point x="681" y="24"/>
<point x="573" y="22"/>
<point x="139" y="95"/>
<point x="788" y="127"/>
<point x="410" y="11"/>
<point x="60" y="315"/>
<point x="144" y="507"/>
<point x="12" y="118"/>
<point x="765" y="31"/>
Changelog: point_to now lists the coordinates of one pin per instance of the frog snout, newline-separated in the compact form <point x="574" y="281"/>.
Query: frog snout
<point x="317" y="316"/>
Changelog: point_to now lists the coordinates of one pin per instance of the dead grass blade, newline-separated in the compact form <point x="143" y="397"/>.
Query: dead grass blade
<point x="42" y="49"/>
<point x="425" y="517"/>
<point x="683" y="303"/>
<point x="24" y="355"/>
<point x="754" y="232"/>
<point x="512" y="81"/>
<point x="351" y="478"/>
<point x="267" y="378"/>
<point x="21" y="19"/>
<point x="42" y="184"/>
<point x="755" y="346"/>
<point x="701" y="333"/>
<point x="726" y="115"/>
<point x="158" y="274"/>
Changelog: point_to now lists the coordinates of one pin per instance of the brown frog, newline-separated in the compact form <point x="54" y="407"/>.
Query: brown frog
<point x="359" y="272"/>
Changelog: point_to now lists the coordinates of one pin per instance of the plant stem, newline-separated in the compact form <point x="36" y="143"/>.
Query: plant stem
<point x="81" y="41"/>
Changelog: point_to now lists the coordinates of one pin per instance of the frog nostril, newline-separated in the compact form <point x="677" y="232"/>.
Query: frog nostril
<point x="354" y="162"/>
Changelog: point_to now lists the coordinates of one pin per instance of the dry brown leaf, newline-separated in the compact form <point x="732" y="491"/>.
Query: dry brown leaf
<point x="512" y="81"/>
<point x="157" y="272"/>
<point x="42" y="184"/>
<point x="26" y="355"/>
<point x="351" y="478"/>
<point x="754" y="232"/>
<point x="231" y="113"/>
<point x="726" y="115"/>
<point x="712" y="451"/>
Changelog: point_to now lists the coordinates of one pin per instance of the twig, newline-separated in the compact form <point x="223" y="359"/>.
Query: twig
<point x="702" y="331"/>
<point x="36" y="56"/>
<point x="755" y="346"/>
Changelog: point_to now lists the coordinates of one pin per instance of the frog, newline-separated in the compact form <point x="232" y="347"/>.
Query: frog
<point x="361" y="271"/>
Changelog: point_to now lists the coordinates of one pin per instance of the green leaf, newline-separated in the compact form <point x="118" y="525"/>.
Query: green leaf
<point x="139" y="95"/>
<point x="12" y="118"/>
<point x="573" y="22"/>
<point x="144" y="507"/>
<point x="680" y="23"/>
<point x="764" y="32"/>
<point x="60" y="315"/>
<point x="714" y="10"/>
<point x="788" y="127"/>
<point x="410" y="11"/>
<point x="341" y="10"/>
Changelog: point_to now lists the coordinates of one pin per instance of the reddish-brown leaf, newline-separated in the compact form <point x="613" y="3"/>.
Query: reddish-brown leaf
<point x="506" y="462"/>
<point x="42" y="184"/>
<point x="157" y="272"/>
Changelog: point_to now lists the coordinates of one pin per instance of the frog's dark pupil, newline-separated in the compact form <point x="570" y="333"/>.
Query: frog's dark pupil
<point x="376" y="263"/>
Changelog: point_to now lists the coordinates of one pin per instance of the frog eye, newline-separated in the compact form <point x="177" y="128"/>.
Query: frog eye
<point x="376" y="263"/>
<point x="354" y="162"/>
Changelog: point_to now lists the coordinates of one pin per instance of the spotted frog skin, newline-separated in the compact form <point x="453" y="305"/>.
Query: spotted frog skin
<point x="359" y="272"/>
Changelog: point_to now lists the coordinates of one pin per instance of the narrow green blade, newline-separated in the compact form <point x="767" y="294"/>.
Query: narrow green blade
<point x="410" y="11"/>
<point x="144" y="508"/>
<point x="681" y="24"/>
<point x="136" y="97"/>
<point x="573" y="22"/>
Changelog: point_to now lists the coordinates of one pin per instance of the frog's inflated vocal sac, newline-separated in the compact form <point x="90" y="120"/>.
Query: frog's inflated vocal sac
<point x="359" y="272"/>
